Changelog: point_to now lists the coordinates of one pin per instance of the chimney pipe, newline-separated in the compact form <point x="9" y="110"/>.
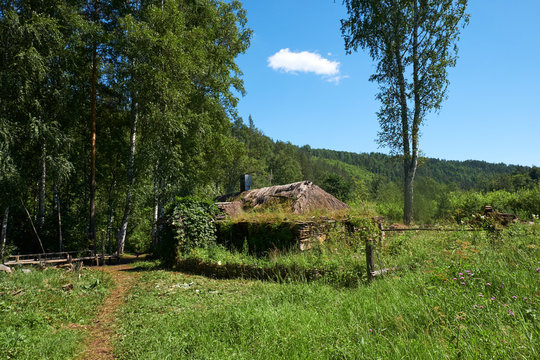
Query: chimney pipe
<point x="245" y="183"/>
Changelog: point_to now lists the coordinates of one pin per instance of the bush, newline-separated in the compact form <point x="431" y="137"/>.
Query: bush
<point x="524" y="203"/>
<point x="190" y="224"/>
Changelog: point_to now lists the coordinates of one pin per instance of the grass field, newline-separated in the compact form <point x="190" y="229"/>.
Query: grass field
<point x="43" y="313"/>
<point x="457" y="295"/>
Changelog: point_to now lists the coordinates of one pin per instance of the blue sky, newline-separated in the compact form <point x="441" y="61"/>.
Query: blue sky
<point x="493" y="108"/>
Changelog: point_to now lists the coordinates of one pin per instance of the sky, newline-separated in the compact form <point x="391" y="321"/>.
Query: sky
<point x="302" y="88"/>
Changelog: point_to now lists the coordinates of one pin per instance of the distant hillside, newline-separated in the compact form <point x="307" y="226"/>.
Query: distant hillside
<point x="369" y="176"/>
<point x="466" y="175"/>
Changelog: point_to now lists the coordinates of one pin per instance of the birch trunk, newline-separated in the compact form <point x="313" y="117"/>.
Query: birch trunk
<point x="412" y="159"/>
<point x="42" y="191"/>
<point x="121" y="240"/>
<point x="155" y="239"/>
<point x="110" y="216"/>
<point x="59" y="214"/>
<point x="3" y="235"/>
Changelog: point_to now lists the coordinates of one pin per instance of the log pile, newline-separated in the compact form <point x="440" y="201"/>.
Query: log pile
<point x="503" y="218"/>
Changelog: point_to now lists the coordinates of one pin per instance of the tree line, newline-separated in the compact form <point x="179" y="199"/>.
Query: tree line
<point x="110" y="109"/>
<point x="107" y="108"/>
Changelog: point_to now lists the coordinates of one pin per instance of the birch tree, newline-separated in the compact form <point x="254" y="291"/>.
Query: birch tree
<point x="414" y="44"/>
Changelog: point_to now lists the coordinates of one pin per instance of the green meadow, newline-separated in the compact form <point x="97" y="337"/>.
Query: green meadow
<point x="454" y="295"/>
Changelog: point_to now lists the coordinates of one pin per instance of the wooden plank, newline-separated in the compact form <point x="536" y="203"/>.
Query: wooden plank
<point x="50" y="254"/>
<point x="58" y="261"/>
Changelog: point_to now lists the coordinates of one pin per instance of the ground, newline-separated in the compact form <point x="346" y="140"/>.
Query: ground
<point x="99" y="343"/>
<point x="468" y="295"/>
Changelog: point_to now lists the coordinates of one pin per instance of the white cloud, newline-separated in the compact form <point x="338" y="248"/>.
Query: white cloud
<point x="305" y="61"/>
<point x="337" y="79"/>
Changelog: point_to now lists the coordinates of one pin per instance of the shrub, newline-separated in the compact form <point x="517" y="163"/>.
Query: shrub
<point x="190" y="224"/>
<point x="524" y="203"/>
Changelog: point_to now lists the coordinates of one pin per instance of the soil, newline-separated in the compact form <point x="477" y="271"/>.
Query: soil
<point x="101" y="334"/>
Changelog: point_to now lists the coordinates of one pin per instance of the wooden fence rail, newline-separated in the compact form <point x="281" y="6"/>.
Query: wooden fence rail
<point x="56" y="258"/>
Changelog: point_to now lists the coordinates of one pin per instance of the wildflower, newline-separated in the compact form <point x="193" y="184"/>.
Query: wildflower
<point x="454" y="279"/>
<point x="462" y="283"/>
<point x="462" y="273"/>
<point x="462" y="278"/>
<point x="467" y="271"/>
<point x="514" y="297"/>
<point x="481" y="307"/>
<point x="475" y="306"/>
<point x="510" y="313"/>
<point x="493" y="298"/>
<point x="537" y="269"/>
<point x="481" y="295"/>
<point x="370" y="330"/>
<point x="488" y="284"/>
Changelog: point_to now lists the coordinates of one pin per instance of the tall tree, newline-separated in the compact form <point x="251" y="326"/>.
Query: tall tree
<point x="414" y="43"/>
<point x="176" y="70"/>
<point x="158" y="77"/>
<point x="94" y="15"/>
<point x="32" y="83"/>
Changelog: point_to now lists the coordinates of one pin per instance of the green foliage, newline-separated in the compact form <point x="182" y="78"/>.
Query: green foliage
<point x="257" y="237"/>
<point x="285" y="167"/>
<point x="189" y="139"/>
<point x="193" y="223"/>
<point x="365" y="228"/>
<point x="183" y="102"/>
<point x="338" y="186"/>
<point x="523" y="203"/>
<point x="392" y="211"/>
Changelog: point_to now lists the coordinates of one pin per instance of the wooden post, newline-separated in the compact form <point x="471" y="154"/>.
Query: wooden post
<point x="370" y="262"/>
<point x="381" y="238"/>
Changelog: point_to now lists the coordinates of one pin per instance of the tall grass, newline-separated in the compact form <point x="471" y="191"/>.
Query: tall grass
<point x="423" y="311"/>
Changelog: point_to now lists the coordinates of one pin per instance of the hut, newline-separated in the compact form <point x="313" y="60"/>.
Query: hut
<point x="299" y="197"/>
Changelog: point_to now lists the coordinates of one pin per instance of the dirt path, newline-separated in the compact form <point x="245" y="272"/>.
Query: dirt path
<point x="99" y="343"/>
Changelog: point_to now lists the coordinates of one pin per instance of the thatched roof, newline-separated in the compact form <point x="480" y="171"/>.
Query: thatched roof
<point x="303" y="196"/>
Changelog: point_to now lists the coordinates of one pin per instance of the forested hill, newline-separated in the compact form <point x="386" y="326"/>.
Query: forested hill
<point x="470" y="174"/>
<point x="376" y="179"/>
<point x="275" y="162"/>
